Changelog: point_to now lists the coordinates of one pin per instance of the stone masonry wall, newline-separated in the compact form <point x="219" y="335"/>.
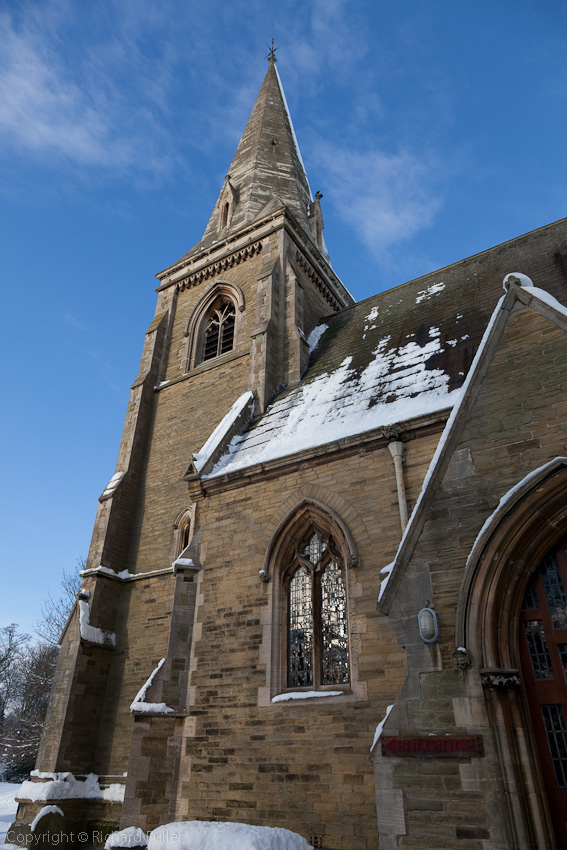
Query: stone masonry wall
<point x="517" y="424"/>
<point x="303" y="765"/>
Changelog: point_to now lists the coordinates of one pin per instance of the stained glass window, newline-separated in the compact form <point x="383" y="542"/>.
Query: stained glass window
<point x="315" y="548"/>
<point x="538" y="649"/>
<point x="300" y="643"/>
<point x="530" y="602"/>
<point x="562" y="647"/>
<point x="334" y="644"/>
<point x="554" y="592"/>
<point x="317" y="619"/>
<point x="556" y="730"/>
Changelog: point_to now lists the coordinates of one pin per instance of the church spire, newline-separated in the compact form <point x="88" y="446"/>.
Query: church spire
<point x="267" y="168"/>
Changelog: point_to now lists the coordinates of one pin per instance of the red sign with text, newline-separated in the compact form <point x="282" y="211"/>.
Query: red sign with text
<point x="440" y="746"/>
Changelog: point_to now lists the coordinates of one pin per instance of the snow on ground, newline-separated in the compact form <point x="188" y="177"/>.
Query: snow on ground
<point x="202" y="835"/>
<point x="197" y="835"/>
<point x="8" y="807"/>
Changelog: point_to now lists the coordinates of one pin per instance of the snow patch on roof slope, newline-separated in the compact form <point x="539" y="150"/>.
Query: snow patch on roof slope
<point x="394" y="387"/>
<point x="434" y="289"/>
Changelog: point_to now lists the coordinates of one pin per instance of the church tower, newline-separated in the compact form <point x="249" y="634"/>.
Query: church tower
<point x="230" y="330"/>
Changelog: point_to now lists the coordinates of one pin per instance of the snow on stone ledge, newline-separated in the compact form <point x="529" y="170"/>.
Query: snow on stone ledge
<point x="380" y="727"/>
<point x="107" y="571"/>
<point x="183" y="562"/>
<point x="386" y="572"/>
<point x="139" y="703"/>
<point x="92" y="634"/>
<point x="65" y="786"/>
<point x="548" y="298"/>
<point x="517" y="277"/>
<point x="306" y="695"/>
<point x="204" y="835"/>
<point x="132" y="836"/>
<point x="202" y="456"/>
<point x="47" y="810"/>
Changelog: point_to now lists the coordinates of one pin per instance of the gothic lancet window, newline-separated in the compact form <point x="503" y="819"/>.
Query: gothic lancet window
<point x="218" y="336"/>
<point x="317" y="634"/>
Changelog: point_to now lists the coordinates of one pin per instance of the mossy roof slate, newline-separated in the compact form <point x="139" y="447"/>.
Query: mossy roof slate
<point x="399" y="355"/>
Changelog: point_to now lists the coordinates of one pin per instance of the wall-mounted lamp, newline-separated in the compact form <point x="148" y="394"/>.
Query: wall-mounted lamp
<point x="428" y="623"/>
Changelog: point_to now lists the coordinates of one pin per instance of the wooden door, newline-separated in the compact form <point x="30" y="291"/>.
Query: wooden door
<point x="543" y="652"/>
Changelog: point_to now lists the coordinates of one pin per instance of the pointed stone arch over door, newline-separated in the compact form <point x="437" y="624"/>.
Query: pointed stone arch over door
<point x="528" y="526"/>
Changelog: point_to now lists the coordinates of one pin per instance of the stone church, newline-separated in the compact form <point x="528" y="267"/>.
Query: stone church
<point x="326" y="588"/>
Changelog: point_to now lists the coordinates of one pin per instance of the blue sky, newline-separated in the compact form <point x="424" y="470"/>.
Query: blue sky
<point x="434" y="130"/>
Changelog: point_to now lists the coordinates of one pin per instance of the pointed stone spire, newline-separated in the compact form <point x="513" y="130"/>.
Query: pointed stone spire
<point x="267" y="168"/>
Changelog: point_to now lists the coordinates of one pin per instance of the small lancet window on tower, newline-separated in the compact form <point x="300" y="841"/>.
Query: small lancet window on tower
<point x="219" y="330"/>
<point x="224" y="215"/>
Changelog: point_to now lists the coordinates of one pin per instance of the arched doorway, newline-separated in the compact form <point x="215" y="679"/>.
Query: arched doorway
<point x="529" y="526"/>
<point x="543" y="654"/>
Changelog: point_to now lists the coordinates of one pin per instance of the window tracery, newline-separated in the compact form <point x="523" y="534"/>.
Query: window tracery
<point x="215" y="327"/>
<point x="218" y="336"/>
<point x="317" y="632"/>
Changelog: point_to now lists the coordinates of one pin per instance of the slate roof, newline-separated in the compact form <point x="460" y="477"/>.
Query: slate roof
<point x="399" y="355"/>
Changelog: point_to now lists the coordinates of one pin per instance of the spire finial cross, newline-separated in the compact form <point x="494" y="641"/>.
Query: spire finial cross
<point x="271" y="57"/>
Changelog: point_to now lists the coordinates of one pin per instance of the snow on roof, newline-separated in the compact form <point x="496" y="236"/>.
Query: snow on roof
<point x="434" y="289"/>
<point x="381" y="380"/>
<point x="385" y="361"/>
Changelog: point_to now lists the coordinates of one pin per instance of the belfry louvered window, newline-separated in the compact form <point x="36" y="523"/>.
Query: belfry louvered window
<point x="218" y="337"/>
<point x="317" y="634"/>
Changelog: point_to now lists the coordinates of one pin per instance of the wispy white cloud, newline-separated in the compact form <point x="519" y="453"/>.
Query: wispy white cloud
<point x="72" y="106"/>
<point x="384" y="197"/>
